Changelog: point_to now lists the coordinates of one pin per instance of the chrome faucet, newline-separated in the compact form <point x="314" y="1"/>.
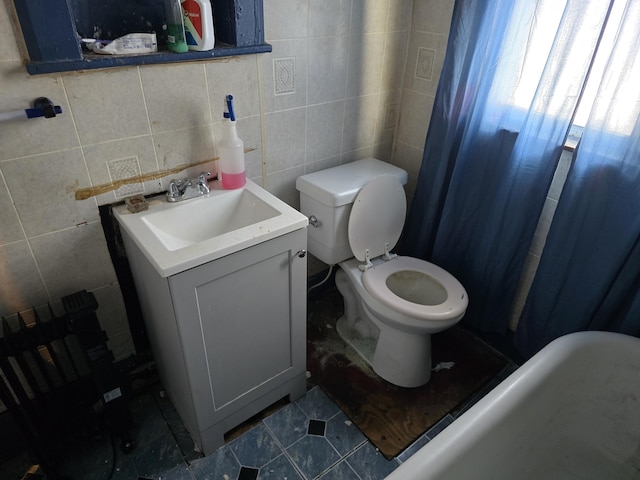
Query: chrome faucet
<point x="185" y="188"/>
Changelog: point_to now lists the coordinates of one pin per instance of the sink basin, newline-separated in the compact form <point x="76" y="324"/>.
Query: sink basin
<point x="177" y="236"/>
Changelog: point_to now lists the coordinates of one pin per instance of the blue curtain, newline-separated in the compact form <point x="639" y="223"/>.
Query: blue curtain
<point x="589" y="272"/>
<point x="496" y="133"/>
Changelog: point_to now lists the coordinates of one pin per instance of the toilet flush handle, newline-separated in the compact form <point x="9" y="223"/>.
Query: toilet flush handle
<point x="314" y="222"/>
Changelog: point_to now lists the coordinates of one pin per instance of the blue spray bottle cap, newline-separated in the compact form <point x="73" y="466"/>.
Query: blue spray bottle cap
<point x="229" y="113"/>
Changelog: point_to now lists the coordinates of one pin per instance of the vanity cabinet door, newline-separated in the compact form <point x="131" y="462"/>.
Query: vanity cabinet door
<point x="242" y="324"/>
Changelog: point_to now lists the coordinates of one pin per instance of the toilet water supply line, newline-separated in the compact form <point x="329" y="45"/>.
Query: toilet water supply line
<point x="322" y="281"/>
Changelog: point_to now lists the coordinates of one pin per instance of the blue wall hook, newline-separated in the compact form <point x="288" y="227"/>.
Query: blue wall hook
<point x="42" y="107"/>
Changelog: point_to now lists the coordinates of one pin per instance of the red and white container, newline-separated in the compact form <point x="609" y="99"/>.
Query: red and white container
<point x="198" y="24"/>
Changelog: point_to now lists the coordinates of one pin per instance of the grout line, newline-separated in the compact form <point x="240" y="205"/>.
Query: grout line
<point x="146" y="112"/>
<point x="263" y="132"/>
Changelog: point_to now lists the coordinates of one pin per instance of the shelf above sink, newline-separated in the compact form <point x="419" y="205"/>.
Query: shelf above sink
<point x="91" y="61"/>
<point x="178" y="236"/>
<point x="238" y="24"/>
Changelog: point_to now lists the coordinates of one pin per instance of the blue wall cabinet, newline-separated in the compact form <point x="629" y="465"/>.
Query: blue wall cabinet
<point x="52" y="29"/>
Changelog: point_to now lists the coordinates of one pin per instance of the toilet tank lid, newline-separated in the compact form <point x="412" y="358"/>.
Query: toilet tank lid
<point x="339" y="185"/>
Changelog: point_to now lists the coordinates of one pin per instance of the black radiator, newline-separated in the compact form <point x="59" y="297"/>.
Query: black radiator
<point x="58" y="379"/>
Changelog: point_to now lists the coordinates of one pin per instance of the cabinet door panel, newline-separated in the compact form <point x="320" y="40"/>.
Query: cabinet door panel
<point x="241" y="322"/>
<point x="246" y="326"/>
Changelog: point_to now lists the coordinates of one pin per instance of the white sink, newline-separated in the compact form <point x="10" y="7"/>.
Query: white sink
<point x="177" y="236"/>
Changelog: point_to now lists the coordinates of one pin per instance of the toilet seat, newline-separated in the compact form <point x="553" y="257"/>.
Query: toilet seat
<point x="375" y="225"/>
<point x="377" y="218"/>
<point x="450" y="298"/>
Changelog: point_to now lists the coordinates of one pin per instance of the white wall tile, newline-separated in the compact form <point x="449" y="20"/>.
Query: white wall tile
<point x="409" y="158"/>
<point x="414" y="120"/>
<point x="325" y="126"/>
<point x="289" y="58"/>
<point x="329" y="17"/>
<point x="237" y="76"/>
<point x="426" y="52"/>
<point x="285" y="19"/>
<point x="285" y="137"/>
<point x="364" y="70"/>
<point x="11" y="230"/>
<point x="22" y="287"/>
<point x="73" y="259"/>
<point x="107" y="105"/>
<point x="327" y="69"/>
<point x="393" y="60"/>
<point x="26" y="137"/>
<point x="176" y="96"/>
<point x="283" y="185"/>
<point x="97" y="157"/>
<point x="180" y="147"/>
<point x="433" y="16"/>
<point x="400" y="12"/>
<point x="369" y="16"/>
<point x="13" y="47"/>
<point x="43" y="190"/>
<point x="360" y="122"/>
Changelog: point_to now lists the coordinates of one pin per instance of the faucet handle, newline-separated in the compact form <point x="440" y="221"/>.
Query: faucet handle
<point x="202" y="177"/>
<point x="202" y="182"/>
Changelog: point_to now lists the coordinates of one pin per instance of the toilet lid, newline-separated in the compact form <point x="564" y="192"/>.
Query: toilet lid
<point x="377" y="217"/>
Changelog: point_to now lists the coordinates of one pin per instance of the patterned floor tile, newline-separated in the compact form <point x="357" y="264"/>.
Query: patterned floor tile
<point x="279" y="469"/>
<point x="369" y="463"/>
<point x="317" y="405"/>
<point x="255" y="448"/>
<point x="288" y="425"/>
<point x="343" y="434"/>
<point x="341" y="471"/>
<point x="220" y="464"/>
<point x="313" y="455"/>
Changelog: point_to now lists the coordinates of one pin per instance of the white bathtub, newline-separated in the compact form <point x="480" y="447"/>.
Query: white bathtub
<point x="572" y="411"/>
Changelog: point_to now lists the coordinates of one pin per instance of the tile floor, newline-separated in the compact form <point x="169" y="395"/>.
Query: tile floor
<point x="310" y="438"/>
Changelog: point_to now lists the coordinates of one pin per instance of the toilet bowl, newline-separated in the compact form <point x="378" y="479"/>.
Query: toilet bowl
<point x="393" y="304"/>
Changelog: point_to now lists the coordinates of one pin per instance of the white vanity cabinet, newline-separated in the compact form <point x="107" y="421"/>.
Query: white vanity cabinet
<point x="228" y="336"/>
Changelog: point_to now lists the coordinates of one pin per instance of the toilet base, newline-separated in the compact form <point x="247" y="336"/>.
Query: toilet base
<point x="364" y="345"/>
<point x="401" y="358"/>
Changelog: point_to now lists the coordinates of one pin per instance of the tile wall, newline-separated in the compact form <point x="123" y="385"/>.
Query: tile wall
<point x="346" y="79"/>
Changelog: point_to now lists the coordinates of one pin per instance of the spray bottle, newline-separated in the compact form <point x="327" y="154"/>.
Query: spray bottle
<point x="231" y="151"/>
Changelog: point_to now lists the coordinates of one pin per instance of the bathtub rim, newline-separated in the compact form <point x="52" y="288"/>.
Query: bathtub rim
<point x="433" y="458"/>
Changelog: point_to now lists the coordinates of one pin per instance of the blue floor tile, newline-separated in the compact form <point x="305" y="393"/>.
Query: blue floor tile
<point x="215" y="466"/>
<point x="341" y="471"/>
<point x="278" y="469"/>
<point x="343" y="434"/>
<point x="438" y="427"/>
<point x="255" y="448"/>
<point x="313" y="455"/>
<point x="317" y="405"/>
<point x="288" y="425"/>
<point x="370" y="464"/>
<point x="413" y="448"/>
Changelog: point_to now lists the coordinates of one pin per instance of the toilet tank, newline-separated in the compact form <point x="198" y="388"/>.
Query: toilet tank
<point x="328" y="195"/>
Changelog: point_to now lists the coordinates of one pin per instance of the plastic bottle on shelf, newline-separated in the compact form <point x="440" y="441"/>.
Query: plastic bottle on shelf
<point x="176" y="41"/>
<point x="198" y="24"/>
<point x="231" y="151"/>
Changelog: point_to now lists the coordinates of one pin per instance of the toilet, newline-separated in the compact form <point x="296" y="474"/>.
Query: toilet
<point x="393" y="304"/>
